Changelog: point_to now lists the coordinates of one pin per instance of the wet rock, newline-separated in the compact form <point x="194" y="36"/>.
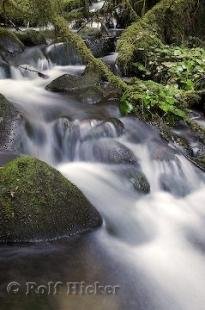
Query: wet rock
<point x="139" y="182"/>
<point x="89" y="88"/>
<point x="38" y="203"/>
<point x="138" y="131"/>
<point x="9" y="122"/>
<point x="112" y="128"/>
<point x="136" y="178"/>
<point x="107" y="151"/>
<point x="176" y="185"/>
<point x="67" y="135"/>
<point x="63" y="54"/>
<point x="191" y="143"/>
<point x="77" y="87"/>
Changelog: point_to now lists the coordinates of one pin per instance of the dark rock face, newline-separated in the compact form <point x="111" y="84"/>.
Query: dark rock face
<point x="9" y="44"/>
<point x="134" y="177"/>
<point x="111" y="128"/>
<point x="9" y="122"/>
<point x="191" y="142"/>
<point x="78" y="87"/>
<point x="102" y="46"/>
<point x="38" y="203"/>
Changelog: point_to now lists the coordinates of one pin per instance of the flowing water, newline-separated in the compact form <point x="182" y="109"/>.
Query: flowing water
<point x="152" y="246"/>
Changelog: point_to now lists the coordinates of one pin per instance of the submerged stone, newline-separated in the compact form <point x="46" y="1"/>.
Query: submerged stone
<point x="107" y="151"/>
<point x="111" y="128"/>
<point x="38" y="203"/>
<point x="136" y="178"/>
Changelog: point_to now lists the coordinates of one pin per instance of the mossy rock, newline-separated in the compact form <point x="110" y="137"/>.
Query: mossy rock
<point x="32" y="37"/>
<point x="10" y="45"/>
<point x="77" y="87"/>
<point x="38" y="203"/>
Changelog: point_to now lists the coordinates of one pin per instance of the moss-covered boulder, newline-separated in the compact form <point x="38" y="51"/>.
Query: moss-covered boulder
<point x="32" y="37"/>
<point x="38" y="203"/>
<point x="77" y="87"/>
<point x="8" y="124"/>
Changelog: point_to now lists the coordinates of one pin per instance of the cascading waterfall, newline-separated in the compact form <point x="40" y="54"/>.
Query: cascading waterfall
<point x="157" y="238"/>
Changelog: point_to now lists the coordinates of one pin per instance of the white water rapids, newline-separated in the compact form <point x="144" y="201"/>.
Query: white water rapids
<point x="157" y="238"/>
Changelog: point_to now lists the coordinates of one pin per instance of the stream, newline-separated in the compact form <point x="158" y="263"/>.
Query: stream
<point x="152" y="246"/>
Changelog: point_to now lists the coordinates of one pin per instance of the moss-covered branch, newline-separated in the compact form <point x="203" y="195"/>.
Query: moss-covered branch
<point x="169" y="21"/>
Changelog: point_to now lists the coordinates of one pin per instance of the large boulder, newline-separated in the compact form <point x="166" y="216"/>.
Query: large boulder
<point x="38" y="203"/>
<point x="31" y="37"/>
<point x="8" y="124"/>
<point x="78" y="87"/>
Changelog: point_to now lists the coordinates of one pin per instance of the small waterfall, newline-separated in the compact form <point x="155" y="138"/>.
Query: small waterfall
<point x="96" y="6"/>
<point x="63" y="54"/>
<point x="157" y="237"/>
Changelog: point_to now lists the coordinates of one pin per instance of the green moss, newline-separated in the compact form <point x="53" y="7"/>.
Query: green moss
<point x="5" y="33"/>
<point x="36" y="202"/>
<point x="32" y="37"/>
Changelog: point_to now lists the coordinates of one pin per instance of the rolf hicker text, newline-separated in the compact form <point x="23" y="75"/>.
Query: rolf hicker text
<point x="59" y="287"/>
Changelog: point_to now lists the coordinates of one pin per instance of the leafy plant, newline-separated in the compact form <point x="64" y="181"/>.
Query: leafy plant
<point x="152" y="98"/>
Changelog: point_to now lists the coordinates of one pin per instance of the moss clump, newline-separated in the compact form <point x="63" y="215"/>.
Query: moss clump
<point x="33" y="37"/>
<point x="37" y="202"/>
